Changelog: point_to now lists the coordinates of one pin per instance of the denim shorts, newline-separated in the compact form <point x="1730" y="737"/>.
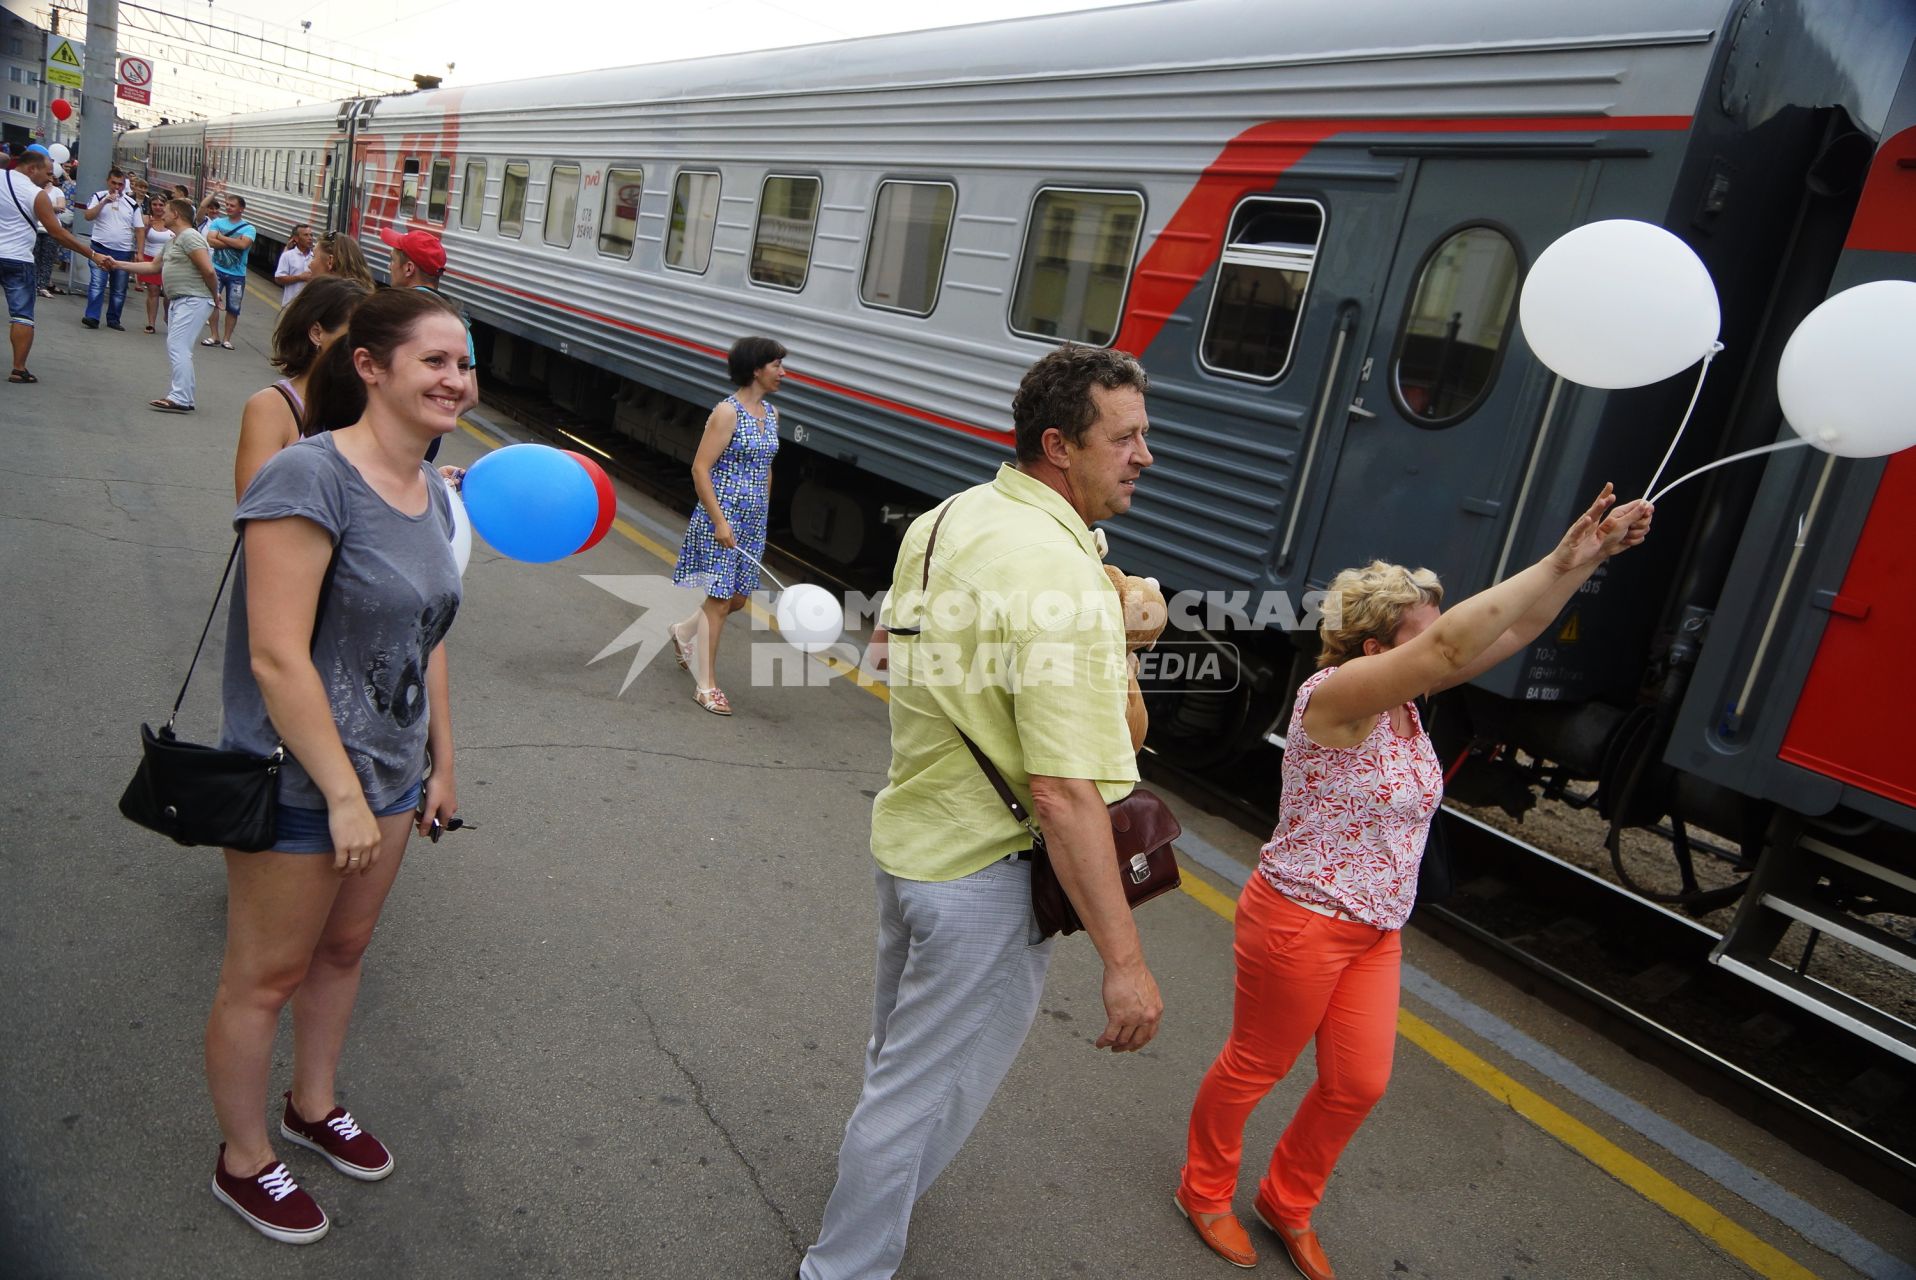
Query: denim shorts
<point x="21" y="285"/>
<point x="306" y="831"/>
<point x="232" y="291"/>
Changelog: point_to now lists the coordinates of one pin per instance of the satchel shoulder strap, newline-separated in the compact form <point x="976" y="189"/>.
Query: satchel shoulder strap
<point x="319" y="611"/>
<point x="924" y="568"/>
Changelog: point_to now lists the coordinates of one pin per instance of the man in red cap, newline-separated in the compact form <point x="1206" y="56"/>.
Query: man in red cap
<point x="418" y="260"/>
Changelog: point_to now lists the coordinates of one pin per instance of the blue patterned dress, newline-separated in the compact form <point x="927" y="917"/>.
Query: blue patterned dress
<point x="742" y="478"/>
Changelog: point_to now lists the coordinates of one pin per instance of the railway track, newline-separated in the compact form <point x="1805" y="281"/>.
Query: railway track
<point x="1634" y="971"/>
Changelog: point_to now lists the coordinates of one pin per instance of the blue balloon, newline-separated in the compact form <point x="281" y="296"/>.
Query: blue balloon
<point x="531" y="502"/>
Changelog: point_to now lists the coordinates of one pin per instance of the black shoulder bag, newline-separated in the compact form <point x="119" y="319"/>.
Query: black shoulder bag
<point x="198" y="795"/>
<point x="1142" y="825"/>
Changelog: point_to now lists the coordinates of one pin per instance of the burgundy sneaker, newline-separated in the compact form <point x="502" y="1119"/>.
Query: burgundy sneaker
<point x="271" y="1202"/>
<point x="346" y="1146"/>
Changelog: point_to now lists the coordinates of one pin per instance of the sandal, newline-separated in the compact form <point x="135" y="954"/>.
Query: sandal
<point x="149" y="329"/>
<point x="227" y="345"/>
<point x="209" y="342"/>
<point x="713" y="700"/>
<point x="167" y="406"/>
<point x="683" y="648"/>
<point x="21" y="375"/>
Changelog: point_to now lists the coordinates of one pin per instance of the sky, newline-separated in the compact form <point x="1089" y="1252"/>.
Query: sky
<point x="469" y="42"/>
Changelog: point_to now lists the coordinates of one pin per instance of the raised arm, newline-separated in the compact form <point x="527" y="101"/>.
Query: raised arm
<point x="1341" y="710"/>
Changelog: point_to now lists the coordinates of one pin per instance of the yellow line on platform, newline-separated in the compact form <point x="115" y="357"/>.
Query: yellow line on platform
<point x="1730" y="1236"/>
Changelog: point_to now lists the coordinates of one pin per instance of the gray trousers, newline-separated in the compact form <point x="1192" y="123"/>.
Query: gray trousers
<point x="958" y="988"/>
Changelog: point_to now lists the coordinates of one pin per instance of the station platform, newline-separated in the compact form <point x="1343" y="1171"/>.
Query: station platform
<point x="617" y="1029"/>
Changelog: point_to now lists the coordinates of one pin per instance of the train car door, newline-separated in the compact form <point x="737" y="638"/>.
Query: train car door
<point x="1447" y="395"/>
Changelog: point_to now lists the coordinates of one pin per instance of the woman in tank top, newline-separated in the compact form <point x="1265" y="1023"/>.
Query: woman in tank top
<point x="310" y="324"/>
<point x="151" y="237"/>
<point x="1317" y="942"/>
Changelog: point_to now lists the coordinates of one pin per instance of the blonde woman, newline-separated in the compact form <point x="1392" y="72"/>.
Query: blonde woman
<point x="1317" y="943"/>
<point x="338" y="254"/>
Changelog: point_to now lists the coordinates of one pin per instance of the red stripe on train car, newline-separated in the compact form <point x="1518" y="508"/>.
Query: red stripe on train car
<point x="1252" y="162"/>
<point x="1851" y="722"/>
<point x="1886" y="215"/>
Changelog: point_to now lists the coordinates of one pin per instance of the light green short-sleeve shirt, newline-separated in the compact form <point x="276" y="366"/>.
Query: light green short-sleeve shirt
<point x="1021" y="643"/>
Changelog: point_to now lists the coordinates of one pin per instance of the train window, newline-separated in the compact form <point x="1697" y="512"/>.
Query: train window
<point x="562" y="204"/>
<point x="782" y="243"/>
<point x="472" y="196"/>
<point x="905" y="260"/>
<point x="512" y="199"/>
<point x="688" y="237"/>
<point x="1077" y="258"/>
<point x="436" y="191"/>
<point x="1261" y="282"/>
<point x="619" y="219"/>
<point x="1453" y="332"/>
<point x="409" y="187"/>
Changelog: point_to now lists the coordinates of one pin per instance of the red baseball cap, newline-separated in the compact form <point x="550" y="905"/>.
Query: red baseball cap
<point x="422" y="247"/>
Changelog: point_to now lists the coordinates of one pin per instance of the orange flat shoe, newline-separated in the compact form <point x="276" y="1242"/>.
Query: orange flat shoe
<point x="1224" y="1236"/>
<point x="1300" y="1245"/>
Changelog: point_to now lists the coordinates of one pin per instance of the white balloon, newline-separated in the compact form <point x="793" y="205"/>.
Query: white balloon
<point x="1619" y="303"/>
<point x="461" y="533"/>
<point x="810" y="617"/>
<point x="1844" y="376"/>
<point x="59" y="153"/>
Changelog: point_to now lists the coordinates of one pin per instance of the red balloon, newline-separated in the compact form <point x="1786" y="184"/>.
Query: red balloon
<point x="608" y="499"/>
<point x="61" y="108"/>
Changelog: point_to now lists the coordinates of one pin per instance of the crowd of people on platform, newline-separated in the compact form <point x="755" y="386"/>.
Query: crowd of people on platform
<point x="346" y="588"/>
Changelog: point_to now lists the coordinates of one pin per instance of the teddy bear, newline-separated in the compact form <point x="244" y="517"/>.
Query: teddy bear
<point x="1145" y="616"/>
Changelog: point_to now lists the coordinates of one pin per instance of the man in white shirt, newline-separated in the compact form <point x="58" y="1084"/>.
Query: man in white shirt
<point x="113" y="213"/>
<point x="26" y="211"/>
<point x="295" y="265"/>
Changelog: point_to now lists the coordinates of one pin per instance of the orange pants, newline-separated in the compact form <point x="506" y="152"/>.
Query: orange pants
<point x="1299" y="974"/>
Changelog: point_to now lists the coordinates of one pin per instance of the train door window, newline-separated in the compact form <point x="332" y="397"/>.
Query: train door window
<point x="512" y="199"/>
<point x="409" y="187"/>
<point x="1261" y="282"/>
<point x="619" y="218"/>
<point x="905" y="258"/>
<point x="562" y="204"/>
<point x="1452" y="338"/>
<point x="437" y="189"/>
<point x="782" y="243"/>
<point x="472" y="196"/>
<point x="1077" y="259"/>
<point x="688" y="237"/>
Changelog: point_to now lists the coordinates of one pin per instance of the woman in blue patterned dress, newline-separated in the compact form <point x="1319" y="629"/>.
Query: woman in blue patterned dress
<point x="726" y="537"/>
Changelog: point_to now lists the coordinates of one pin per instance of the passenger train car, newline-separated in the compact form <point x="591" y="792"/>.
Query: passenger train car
<point x="1312" y="228"/>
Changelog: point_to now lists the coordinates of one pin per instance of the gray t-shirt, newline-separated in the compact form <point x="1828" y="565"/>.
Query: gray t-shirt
<point x="395" y="591"/>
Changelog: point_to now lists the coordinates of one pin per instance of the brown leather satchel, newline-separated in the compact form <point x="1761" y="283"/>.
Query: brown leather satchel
<point x="1142" y="829"/>
<point x="1142" y="825"/>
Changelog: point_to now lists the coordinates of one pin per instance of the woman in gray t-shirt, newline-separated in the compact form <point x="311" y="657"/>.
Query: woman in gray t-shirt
<point x="356" y="689"/>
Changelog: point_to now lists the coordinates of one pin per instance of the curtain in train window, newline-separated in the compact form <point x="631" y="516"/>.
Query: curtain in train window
<point x="409" y="187"/>
<point x="512" y="199"/>
<point x="619" y="218"/>
<point x="472" y="195"/>
<point x="562" y="204"/>
<point x="905" y="260"/>
<point x="1077" y="258"/>
<point x="688" y="237"/>
<point x="1454" y="330"/>
<point x="1261" y="282"/>
<point x="782" y="244"/>
<point x="436" y="190"/>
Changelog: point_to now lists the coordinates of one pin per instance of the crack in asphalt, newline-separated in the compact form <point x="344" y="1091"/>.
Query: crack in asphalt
<point x="704" y="1105"/>
<point x="107" y="537"/>
<point x="465" y="747"/>
<point x="151" y="484"/>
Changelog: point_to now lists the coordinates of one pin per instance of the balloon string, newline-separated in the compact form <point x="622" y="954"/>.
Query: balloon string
<point x="1701" y="374"/>
<point x="761" y="568"/>
<point x="1735" y="457"/>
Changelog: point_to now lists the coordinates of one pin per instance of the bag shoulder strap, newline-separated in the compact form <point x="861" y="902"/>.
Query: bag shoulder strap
<point x="319" y="611"/>
<point x="32" y="222"/>
<point x="924" y="568"/>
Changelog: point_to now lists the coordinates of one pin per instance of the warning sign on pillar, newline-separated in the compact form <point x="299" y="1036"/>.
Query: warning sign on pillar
<point x="131" y="94"/>
<point x="66" y="62"/>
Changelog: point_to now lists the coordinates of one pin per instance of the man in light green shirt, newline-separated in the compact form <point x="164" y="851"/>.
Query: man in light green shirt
<point x="1002" y="623"/>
